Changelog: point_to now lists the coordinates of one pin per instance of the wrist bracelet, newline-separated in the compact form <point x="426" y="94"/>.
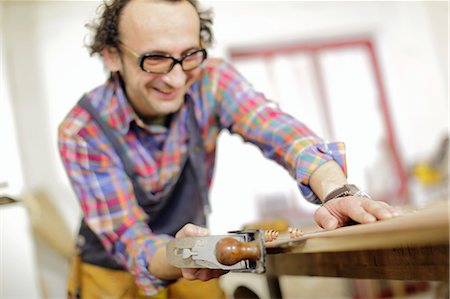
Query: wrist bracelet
<point x="345" y="190"/>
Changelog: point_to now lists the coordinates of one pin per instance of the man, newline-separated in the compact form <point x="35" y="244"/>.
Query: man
<point x="140" y="149"/>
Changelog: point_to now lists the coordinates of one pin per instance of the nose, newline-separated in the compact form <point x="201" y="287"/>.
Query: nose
<point x="176" y="78"/>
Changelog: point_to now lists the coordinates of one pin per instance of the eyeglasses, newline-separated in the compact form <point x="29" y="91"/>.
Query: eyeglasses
<point x="164" y="63"/>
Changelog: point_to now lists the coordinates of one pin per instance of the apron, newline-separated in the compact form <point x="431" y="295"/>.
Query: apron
<point x="186" y="201"/>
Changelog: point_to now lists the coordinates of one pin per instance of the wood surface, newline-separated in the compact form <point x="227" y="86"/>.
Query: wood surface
<point x="405" y="263"/>
<point x="414" y="246"/>
<point x="410" y="247"/>
<point x="426" y="226"/>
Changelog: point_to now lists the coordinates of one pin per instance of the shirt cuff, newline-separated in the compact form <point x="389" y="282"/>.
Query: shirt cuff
<point x="147" y="283"/>
<point x="136" y="253"/>
<point x="313" y="157"/>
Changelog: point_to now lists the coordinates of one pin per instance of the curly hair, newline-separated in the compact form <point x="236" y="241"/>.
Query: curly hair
<point x="106" y="28"/>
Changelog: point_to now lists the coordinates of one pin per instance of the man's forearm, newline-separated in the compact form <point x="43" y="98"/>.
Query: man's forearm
<point x="327" y="178"/>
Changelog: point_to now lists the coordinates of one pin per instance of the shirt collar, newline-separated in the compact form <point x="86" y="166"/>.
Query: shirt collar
<point x="116" y="110"/>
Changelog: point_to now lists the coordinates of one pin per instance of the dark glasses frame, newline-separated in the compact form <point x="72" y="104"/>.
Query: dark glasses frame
<point x="141" y="58"/>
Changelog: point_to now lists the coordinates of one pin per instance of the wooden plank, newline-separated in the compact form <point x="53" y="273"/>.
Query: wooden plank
<point x="48" y="223"/>
<point x="405" y="263"/>
<point x="427" y="226"/>
<point x="414" y="246"/>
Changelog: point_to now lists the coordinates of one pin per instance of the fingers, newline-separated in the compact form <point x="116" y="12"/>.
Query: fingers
<point x="202" y="274"/>
<point x="191" y="230"/>
<point x="325" y="219"/>
<point x="353" y="207"/>
<point x="380" y="210"/>
<point x="338" y="212"/>
<point x="396" y="211"/>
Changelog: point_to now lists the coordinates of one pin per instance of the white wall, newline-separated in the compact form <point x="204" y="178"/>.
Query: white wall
<point x="47" y="69"/>
<point x="10" y="165"/>
<point x="17" y="250"/>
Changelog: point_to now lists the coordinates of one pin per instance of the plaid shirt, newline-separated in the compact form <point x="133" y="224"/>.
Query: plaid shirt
<point x="223" y="99"/>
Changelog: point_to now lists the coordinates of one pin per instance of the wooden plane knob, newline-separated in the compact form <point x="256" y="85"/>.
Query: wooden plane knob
<point x="230" y="251"/>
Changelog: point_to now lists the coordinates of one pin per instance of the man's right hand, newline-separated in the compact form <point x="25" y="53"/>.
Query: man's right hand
<point x="203" y="274"/>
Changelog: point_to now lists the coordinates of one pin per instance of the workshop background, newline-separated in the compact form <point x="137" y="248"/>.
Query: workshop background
<point x="371" y="74"/>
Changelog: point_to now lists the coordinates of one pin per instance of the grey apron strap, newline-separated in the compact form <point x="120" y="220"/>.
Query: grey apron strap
<point x="120" y="150"/>
<point x="92" y="251"/>
<point x="197" y="154"/>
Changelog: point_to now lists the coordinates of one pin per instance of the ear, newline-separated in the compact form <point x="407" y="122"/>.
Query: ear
<point x="112" y="59"/>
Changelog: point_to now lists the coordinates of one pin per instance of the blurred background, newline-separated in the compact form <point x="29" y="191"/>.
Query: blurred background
<point x="371" y="74"/>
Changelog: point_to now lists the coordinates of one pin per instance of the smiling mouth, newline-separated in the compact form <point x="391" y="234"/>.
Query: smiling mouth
<point x="163" y="91"/>
<point x="169" y="94"/>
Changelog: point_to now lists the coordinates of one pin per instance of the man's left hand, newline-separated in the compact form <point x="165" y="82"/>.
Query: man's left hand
<point x="340" y="211"/>
<point x="203" y="274"/>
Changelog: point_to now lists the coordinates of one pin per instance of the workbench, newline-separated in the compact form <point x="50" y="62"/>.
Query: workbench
<point x="413" y="246"/>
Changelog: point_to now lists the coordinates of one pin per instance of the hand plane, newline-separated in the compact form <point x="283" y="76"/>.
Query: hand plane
<point x="239" y="251"/>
